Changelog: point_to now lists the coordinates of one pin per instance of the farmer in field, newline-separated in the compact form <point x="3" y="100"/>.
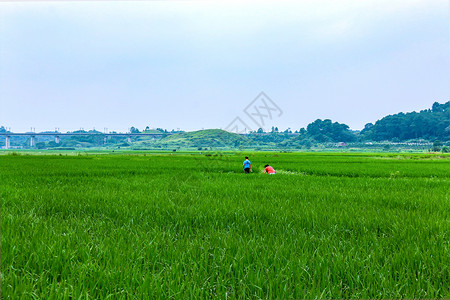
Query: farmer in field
<point x="269" y="170"/>
<point x="247" y="165"/>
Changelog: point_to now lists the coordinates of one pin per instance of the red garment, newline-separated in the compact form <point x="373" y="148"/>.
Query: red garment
<point x="269" y="170"/>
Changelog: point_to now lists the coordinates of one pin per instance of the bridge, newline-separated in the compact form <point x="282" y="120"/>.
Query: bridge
<point x="105" y="136"/>
<point x="57" y="136"/>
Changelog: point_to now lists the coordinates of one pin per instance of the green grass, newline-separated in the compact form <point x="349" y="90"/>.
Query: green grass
<point x="193" y="226"/>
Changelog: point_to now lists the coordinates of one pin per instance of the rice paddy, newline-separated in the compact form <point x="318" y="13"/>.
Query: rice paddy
<point x="194" y="226"/>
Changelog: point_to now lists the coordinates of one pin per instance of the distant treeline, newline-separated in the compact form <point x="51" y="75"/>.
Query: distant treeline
<point x="432" y="125"/>
<point x="429" y="124"/>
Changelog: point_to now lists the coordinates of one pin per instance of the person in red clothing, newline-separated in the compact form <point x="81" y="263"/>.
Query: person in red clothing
<point x="269" y="170"/>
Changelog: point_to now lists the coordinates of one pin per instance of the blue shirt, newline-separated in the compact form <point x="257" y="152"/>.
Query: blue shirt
<point x="247" y="164"/>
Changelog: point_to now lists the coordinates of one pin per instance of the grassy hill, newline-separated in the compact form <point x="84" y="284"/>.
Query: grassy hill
<point x="205" y="138"/>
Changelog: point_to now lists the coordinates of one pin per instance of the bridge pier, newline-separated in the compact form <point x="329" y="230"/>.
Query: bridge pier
<point x="129" y="139"/>
<point x="8" y="142"/>
<point x="32" y="141"/>
<point x="57" y="139"/>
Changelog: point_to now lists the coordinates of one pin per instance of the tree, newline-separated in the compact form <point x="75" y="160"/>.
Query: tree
<point x="436" y="107"/>
<point x="134" y="130"/>
<point x="327" y="131"/>
<point x="368" y="126"/>
<point x="40" y="145"/>
<point x="437" y="146"/>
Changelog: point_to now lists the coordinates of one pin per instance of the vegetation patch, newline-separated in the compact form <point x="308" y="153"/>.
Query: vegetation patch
<point x="183" y="226"/>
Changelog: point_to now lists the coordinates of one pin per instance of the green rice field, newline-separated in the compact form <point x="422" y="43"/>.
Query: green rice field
<point x="193" y="226"/>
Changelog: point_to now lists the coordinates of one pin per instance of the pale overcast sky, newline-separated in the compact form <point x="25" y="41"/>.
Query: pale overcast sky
<point x="198" y="64"/>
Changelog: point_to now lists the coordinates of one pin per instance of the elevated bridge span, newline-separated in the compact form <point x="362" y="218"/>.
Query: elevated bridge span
<point x="58" y="135"/>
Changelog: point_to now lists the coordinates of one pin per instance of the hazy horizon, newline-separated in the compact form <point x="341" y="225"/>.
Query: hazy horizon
<point x="197" y="64"/>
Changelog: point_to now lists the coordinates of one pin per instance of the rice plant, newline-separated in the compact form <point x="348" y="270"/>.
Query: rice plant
<point x="180" y="226"/>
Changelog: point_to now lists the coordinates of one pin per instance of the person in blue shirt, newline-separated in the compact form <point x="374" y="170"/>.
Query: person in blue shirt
<point x="247" y="165"/>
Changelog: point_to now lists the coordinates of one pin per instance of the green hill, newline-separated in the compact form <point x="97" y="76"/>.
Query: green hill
<point x="205" y="138"/>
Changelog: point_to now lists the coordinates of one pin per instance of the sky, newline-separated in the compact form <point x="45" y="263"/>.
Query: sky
<point x="199" y="64"/>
